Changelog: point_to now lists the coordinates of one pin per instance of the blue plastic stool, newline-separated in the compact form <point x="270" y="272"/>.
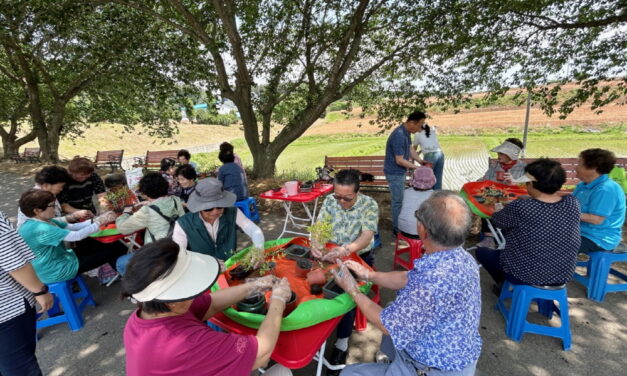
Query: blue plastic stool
<point x="249" y="208"/>
<point x="72" y="313"/>
<point x="599" y="267"/>
<point x="516" y="323"/>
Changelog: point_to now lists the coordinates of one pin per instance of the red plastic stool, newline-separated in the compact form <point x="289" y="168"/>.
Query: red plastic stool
<point x="414" y="249"/>
<point x="361" y="322"/>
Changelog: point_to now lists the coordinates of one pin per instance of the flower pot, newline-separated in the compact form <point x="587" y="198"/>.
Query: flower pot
<point x="332" y="289"/>
<point x="254" y="304"/>
<point x="303" y="266"/>
<point x="239" y="272"/>
<point x="296" y="252"/>
<point x="315" y="289"/>
<point x="290" y="305"/>
<point x="316" y="277"/>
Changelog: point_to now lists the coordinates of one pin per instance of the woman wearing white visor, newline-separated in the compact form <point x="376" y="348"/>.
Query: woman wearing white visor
<point x="167" y="335"/>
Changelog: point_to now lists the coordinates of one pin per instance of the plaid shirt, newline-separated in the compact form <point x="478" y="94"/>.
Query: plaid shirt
<point x="349" y="224"/>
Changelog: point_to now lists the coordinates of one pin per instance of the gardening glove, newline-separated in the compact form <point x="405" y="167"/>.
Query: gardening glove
<point x="315" y="252"/>
<point x="361" y="271"/>
<point x="258" y="285"/>
<point x="344" y="278"/>
<point x="105" y="218"/>
<point x="80" y="215"/>
<point x="282" y="290"/>
<point x="336" y="253"/>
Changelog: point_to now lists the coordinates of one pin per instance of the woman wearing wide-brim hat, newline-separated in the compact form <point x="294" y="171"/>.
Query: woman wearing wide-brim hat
<point x="167" y="334"/>
<point x="211" y="225"/>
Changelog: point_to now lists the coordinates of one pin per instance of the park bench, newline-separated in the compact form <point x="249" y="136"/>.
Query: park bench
<point x="569" y="165"/>
<point x="109" y="158"/>
<point x="31" y="155"/>
<point x="153" y="159"/>
<point x="367" y="164"/>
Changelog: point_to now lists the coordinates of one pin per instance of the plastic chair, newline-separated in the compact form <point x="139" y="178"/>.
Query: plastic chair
<point x="414" y="249"/>
<point x="72" y="312"/>
<point x="598" y="268"/>
<point x="516" y="323"/>
<point x="361" y="322"/>
<point x="249" y="208"/>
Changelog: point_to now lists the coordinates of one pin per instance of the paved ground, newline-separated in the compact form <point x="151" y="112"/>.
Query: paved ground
<point x="599" y="330"/>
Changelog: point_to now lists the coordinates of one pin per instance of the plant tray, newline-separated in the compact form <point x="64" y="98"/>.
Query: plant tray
<point x="331" y="289"/>
<point x="295" y="252"/>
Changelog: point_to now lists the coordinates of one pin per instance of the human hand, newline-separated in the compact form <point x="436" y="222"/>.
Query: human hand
<point x="344" y="278"/>
<point x="282" y="290"/>
<point x="362" y="272"/>
<point x="258" y="285"/>
<point x="105" y="218"/>
<point x="45" y="301"/>
<point x="508" y="178"/>
<point x="336" y="253"/>
<point x="81" y="215"/>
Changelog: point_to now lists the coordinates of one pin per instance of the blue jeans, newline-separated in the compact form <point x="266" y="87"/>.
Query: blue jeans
<point x="122" y="262"/>
<point x="17" y="341"/>
<point x="588" y="246"/>
<point x="437" y="159"/>
<point x="397" y="187"/>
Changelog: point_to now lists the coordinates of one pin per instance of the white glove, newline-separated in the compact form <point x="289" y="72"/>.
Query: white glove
<point x="106" y="218"/>
<point x="258" y="285"/>
<point x="282" y="290"/>
<point x="361" y="271"/>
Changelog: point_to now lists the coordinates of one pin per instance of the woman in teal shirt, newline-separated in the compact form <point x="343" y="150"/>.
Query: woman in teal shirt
<point x="45" y="236"/>
<point x="602" y="201"/>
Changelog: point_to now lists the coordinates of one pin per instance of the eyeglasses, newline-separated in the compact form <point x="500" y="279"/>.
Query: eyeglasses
<point x="347" y="199"/>
<point x="212" y="209"/>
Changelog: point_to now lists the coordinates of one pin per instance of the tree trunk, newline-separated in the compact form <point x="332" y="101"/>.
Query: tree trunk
<point x="264" y="161"/>
<point x="11" y="144"/>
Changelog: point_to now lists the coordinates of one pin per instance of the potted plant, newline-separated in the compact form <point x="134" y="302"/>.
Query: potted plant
<point x="250" y="262"/>
<point x="252" y="304"/>
<point x="321" y="233"/>
<point x="117" y="199"/>
<point x="303" y="266"/>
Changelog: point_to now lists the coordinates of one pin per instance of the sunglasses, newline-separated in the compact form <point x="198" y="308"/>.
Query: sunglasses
<point x="212" y="209"/>
<point x="347" y="199"/>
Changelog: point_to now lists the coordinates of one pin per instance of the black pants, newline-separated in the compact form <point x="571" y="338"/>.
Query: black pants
<point x="345" y="326"/>
<point x="17" y="345"/>
<point x="92" y="253"/>
<point x="490" y="259"/>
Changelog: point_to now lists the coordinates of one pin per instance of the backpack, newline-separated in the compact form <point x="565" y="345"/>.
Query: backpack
<point x="171" y="220"/>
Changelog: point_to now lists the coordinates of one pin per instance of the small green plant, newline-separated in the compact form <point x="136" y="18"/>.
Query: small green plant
<point x="117" y="198"/>
<point x="321" y="233"/>
<point x="252" y="259"/>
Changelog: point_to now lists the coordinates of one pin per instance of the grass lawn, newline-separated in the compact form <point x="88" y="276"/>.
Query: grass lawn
<point x="302" y="156"/>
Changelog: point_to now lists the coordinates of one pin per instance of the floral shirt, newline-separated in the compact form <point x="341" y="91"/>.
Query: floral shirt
<point x="173" y="185"/>
<point x="435" y="317"/>
<point x="349" y="224"/>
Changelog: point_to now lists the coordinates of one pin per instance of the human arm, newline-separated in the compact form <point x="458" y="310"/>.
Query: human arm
<point x="401" y="161"/>
<point x="268" y="332"/>
<point x="250" y="229"/>
<point x="509" y="216"/>
<point x="179" y="236"/>
<point x="364" y="240"/>
<point x="591" y="218"/>
<point x="27" y="277"/>
<point x="600" y="205"/>
<point x="129" y="223"/>
<point x="390" y="280"/>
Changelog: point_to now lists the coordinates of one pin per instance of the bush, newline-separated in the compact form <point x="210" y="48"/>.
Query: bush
<point x="206" y="117"/>
<point x="340" y="106"/>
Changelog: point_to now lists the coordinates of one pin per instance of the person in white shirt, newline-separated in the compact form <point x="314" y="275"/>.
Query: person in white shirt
<point x="211" y="225"/>
<point x="430" y="148"/>
<point x="413" y="197"/>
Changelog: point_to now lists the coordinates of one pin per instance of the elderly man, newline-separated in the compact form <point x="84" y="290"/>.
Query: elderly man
<point x="432" y="326"/>
<point x="354" y="217"/>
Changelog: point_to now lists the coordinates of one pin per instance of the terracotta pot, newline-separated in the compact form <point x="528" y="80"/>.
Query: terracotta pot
<point x="316" y="277"/>
<point x="303" y="266"/>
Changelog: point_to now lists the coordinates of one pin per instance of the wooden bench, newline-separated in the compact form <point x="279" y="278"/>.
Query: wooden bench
<point x="569" y="164"/>
<point x="367" y="164"/>
<point x="31" y="155"/>
<point x="109" y="158"/>
<point x="153" y="159"/>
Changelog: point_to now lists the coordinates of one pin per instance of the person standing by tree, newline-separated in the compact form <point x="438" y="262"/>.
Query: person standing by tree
<point x="19" y="290"/>
<point x="398" y="158"/>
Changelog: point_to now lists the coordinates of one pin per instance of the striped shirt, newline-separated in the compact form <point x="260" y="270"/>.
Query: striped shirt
<point x="14" y="254"/>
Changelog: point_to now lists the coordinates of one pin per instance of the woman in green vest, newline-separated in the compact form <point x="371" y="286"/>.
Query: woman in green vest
<point x="211" y="225"/>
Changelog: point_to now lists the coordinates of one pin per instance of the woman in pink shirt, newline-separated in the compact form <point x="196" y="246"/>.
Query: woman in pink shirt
<point x="167" y="334"/>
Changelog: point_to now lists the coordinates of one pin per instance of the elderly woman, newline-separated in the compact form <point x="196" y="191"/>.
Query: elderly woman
<point x="431" y="327"/>
<point x="80" y="189"/>
<point x="53" y="179"/>
<point x="232" y="176"/>
<point x="20" y="289"/>
<point x="211" y="225"/>
<point x="156" y="214"/>
<point x="423" y="184"/>
<point x="602" y="201"/>
<point x="167" y="334"/>
<point x="186" y="177"/>
<point x="506" y="168"/>
<point x="541" y="233"/>
<point x="45" y="236"/>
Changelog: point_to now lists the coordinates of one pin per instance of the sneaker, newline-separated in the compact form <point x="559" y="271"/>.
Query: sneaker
<point x="487" y="242"/>
<point x="337" y="357"/>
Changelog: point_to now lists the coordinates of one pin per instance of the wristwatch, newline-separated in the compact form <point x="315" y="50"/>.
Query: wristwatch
<point x="43" y="291"/>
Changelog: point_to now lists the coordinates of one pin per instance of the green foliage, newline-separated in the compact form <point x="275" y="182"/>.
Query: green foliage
<point x="321" y="231"/>
<point x="207" y="117"/>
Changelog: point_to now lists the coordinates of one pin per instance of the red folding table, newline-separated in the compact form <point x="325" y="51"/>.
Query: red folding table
<point x="303" y="198"/>
<point x="295" y="348"/>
